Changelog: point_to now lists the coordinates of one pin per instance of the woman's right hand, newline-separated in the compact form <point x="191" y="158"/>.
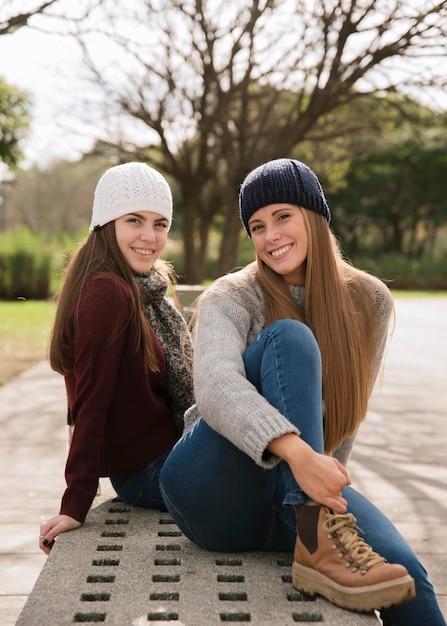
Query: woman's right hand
<point x="51" y="528"/>
<point x="321" y="477"/>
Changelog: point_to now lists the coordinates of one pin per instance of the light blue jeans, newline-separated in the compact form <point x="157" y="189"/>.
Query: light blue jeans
<point x="223" y="501"/>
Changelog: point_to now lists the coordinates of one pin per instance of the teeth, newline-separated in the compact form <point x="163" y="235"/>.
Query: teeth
<point x="144" y="252"/>
<point x="280" y="251"/>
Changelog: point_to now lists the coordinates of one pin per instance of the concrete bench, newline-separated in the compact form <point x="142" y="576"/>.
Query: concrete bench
<point x="188" y="294"/>
<point x="128" y="566"/>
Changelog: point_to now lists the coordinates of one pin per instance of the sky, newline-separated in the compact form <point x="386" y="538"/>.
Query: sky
<point x="47" y="66"/>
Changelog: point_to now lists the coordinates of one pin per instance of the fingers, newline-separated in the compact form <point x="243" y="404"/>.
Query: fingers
<point x="50" y="529"/>
<point x="334" y="500"/>
<point x="45" y="545"/>
<point x="46" y="537"/>
<point x="323" y="479"/>
<point x="329" y="491"/>
<point x="343" y="471"/>
<point x="338" y="504"/>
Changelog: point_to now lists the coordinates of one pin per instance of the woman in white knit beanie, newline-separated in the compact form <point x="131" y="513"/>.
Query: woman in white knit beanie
<point x="122" y="347"/>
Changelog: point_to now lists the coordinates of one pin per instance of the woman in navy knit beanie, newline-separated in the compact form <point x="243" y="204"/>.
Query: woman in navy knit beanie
<point x="287" y="351"/>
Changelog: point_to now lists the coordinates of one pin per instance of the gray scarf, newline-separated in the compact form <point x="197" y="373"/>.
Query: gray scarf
<point x="172" y="332"/>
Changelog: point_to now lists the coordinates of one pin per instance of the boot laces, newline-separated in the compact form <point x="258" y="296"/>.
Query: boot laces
<point x="343" y="528"/>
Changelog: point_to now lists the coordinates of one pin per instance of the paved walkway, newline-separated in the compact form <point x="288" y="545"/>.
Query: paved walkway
<point x="399" y="459"/>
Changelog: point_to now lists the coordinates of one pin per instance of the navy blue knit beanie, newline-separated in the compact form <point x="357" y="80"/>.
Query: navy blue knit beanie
<point x="281" y="180"/>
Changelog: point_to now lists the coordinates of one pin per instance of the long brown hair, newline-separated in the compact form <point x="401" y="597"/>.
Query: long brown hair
<point x="341" y="316"/>
<point x="100" y="253"/>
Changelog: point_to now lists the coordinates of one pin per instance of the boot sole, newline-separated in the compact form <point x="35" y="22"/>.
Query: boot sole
<point x="360" y="599"/>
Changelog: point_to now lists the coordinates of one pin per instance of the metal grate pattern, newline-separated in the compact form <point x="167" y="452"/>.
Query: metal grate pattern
<point x="127" y="566"/>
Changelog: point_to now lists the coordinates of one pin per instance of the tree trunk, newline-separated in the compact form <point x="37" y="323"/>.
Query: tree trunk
<point x="229" y="244"/>
<point x="192" y="269"/>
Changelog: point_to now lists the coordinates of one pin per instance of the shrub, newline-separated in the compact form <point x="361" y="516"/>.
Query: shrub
<point x="400" y="272"/>
<point x="27" y="263"/>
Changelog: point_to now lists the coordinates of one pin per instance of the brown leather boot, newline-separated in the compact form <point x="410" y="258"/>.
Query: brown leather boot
<point x="331" y="560"/>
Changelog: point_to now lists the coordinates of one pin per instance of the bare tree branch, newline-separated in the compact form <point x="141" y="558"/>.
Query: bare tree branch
<point x="10" y="24"/>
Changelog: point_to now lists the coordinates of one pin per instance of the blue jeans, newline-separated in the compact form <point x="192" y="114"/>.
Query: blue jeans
<point x="141" y="488"/>
<point x="223" y="501"/>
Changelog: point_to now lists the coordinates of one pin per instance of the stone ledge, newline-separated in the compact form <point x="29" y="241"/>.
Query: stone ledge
<point x="132" y="566"/>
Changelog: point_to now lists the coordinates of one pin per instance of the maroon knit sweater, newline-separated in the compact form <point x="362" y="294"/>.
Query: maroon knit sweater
<point x="121" y="416"/>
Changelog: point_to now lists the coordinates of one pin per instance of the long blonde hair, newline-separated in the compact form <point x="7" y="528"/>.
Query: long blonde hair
<point x="341" y="317"/>
<point x="100" y="253"/>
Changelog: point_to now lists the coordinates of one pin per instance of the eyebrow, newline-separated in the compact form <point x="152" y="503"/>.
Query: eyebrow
<point x="257" y="219"/>
<point x="143" y="217"/>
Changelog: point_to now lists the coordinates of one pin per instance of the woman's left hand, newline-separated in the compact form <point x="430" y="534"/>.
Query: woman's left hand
<point x="51" y="528"/>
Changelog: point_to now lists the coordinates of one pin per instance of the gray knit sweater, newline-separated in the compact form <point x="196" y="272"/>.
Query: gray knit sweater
<point x="230" y="317"/>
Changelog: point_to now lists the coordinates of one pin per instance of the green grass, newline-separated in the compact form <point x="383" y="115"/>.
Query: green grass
<point x="25" y="327"/>
<point x="24" y="332"/>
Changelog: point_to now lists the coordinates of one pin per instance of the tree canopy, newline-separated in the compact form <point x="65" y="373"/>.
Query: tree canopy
<point x="384" y="184"/>
<point x="217" y="90"/>
<point x="14" y="122"/>
<point x="14" y="103"/>
<point x="204" y="92"/>
<point x="394" y="199"/>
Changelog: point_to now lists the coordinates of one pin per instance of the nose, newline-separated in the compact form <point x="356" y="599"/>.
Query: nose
<point x="148" y="233"/>
<point x="271" y="234"/>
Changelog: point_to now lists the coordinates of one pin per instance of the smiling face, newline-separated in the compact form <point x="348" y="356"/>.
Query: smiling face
<point x="280" y="238"/>
<point x="141" y="238"/>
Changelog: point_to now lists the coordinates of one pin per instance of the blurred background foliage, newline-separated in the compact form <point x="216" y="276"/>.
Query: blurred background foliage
<point x="215" y="95"/>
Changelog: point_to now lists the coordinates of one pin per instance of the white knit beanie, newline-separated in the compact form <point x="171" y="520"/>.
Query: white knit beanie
<point x="130" y="188"/>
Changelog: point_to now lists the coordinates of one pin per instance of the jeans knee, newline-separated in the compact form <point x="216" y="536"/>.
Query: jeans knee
<point x="294" y="334"/>
<point x="291" y="329"/>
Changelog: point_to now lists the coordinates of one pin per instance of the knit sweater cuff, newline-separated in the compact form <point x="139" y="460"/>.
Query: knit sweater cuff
<point x="76" y="504"/>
